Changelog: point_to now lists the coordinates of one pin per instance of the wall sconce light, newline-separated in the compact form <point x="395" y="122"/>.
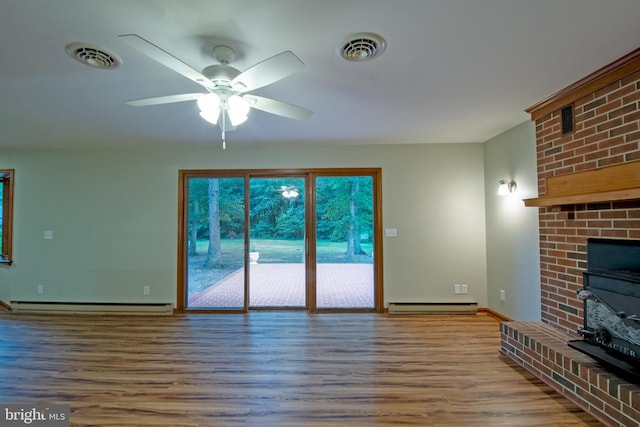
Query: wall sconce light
<point x="506" y="187"/>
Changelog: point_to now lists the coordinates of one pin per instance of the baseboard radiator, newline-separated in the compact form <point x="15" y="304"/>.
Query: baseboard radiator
<point x="433" y="308"/>
<point x="90" y="308"/>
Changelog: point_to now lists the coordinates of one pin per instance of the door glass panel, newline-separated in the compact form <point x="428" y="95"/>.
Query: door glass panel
<point x="277" y="243"/>
<point x="215" y="262"/>
<point x="344" y="242"/>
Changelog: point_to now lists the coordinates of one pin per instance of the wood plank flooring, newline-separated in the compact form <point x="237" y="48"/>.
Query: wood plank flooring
<point x="273" y="369"/>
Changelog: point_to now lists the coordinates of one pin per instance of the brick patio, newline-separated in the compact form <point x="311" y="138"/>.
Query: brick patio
<point x="282" y="285"/>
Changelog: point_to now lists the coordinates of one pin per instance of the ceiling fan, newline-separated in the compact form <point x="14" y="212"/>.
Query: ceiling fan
<point x="227" y="96"/>
<point x="288" y="191"/>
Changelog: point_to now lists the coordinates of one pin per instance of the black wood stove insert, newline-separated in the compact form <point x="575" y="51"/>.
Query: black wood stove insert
<point x="611" y="295"/>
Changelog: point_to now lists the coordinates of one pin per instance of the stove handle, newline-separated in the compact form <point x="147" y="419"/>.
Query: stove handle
<point x="584" y="294"/>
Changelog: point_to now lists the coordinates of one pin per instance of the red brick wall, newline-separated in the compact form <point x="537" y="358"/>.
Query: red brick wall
<point x="606" y="132"/>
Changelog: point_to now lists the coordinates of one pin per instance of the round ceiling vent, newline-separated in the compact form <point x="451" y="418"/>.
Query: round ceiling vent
<point x="92" y="56"/>
<point x="361" y="47"/>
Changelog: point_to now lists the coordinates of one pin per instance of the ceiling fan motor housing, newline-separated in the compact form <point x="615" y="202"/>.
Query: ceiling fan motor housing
<point x="220" y="74"/>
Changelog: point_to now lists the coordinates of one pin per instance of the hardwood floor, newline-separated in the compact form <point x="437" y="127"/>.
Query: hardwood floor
<point x="273" y="369"/>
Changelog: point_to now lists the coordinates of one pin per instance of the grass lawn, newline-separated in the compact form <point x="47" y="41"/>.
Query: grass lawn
<point x="286" y="251"/>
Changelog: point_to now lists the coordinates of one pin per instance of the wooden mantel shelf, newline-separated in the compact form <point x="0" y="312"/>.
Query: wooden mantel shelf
<point x="609" y="184"/>
<point x="607" y="196"/>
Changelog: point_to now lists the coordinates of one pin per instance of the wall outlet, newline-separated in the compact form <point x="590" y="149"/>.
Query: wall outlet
<point x="146" y="290"/>
<point x="503" y="295"/>
<point x="460" y="288"/>
<point x="40" y="289"/>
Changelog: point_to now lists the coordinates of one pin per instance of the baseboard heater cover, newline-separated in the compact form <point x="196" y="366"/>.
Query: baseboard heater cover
<point x="90" y="308"/>
<point x="433" y="308"/>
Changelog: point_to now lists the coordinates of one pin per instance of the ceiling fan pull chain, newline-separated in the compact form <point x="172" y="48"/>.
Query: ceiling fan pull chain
<point x="224" y="127"/>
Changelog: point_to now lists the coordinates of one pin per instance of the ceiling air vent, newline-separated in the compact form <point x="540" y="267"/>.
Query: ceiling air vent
<point x="92" y="56"/>
<point x="362" y="47"/>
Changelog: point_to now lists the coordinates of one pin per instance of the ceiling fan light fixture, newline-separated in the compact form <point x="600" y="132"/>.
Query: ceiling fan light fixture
<point x="236" y="119"/>
<point x="209" y="105"/>
<point x="209" y="102"/>
<point x="211" y="116"/>
<point x="238" y="109"/>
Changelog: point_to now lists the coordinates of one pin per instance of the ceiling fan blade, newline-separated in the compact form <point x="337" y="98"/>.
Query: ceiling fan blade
<point x="164" y="99"/>
<point x="166" y="59"/>
<point x="278" y="107"/>
<point x="268" y="71"/>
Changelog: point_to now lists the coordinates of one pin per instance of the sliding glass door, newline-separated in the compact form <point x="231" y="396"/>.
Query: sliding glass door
<point x="216" y="243"/>
<point x="277" y="273"/>
<point x="305" y="239"/>
<point x="344" y="242"/>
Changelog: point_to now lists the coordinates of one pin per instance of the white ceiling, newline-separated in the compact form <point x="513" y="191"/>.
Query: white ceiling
<point x="453" y="70"/>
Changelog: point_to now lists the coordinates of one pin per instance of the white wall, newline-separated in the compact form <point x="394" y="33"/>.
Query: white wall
<point x="113" y="213"/>
<point x="513" y="262"/>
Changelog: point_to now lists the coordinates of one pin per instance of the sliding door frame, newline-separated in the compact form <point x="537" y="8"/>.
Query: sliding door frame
<point x="266" y="174"/>
<point x="310" y="176"/>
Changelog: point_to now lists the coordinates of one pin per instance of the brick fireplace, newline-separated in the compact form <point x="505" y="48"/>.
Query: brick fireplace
<point x="607" y="132"/>
<point x="582" y="132"/>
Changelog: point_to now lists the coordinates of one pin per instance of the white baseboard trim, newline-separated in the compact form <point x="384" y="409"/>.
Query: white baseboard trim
<point x="90" y="308"/>
<point x="433" y="308"/>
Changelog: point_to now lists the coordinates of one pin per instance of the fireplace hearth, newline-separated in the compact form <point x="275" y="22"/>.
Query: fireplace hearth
<point x="611" y="296"/>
